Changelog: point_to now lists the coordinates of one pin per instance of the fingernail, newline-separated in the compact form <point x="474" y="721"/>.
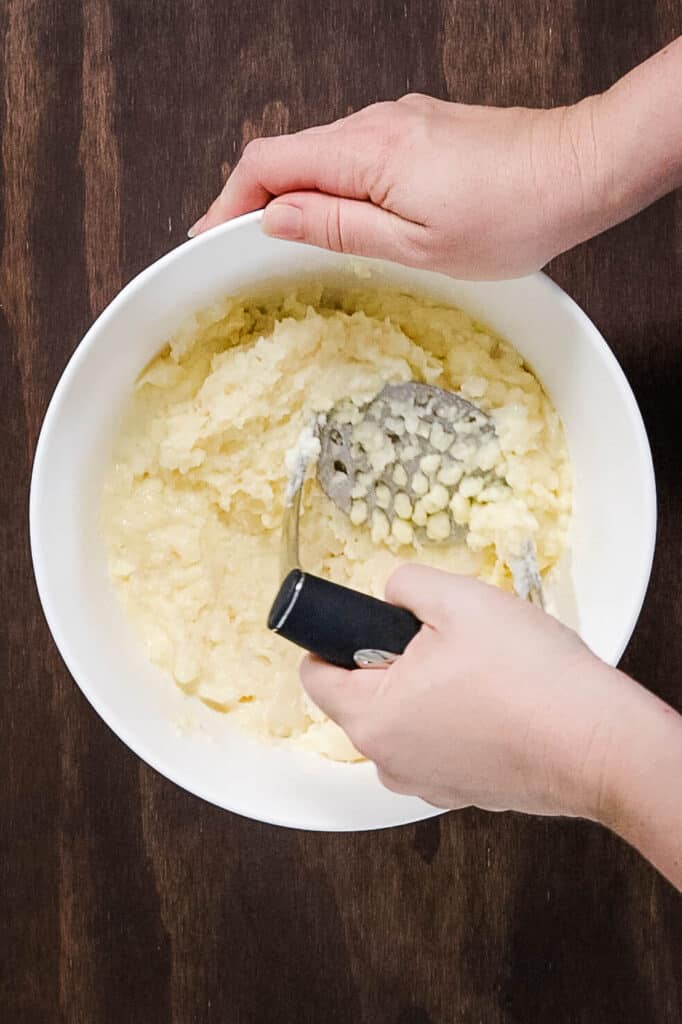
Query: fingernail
<point x="196" y="227"/>
<point x="283" y="221"/>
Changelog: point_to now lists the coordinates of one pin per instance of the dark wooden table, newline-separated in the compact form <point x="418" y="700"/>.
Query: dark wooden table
<point x="123" y="898"/>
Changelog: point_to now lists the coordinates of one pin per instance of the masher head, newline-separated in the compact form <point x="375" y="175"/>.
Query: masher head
<point x="396" y="447"/>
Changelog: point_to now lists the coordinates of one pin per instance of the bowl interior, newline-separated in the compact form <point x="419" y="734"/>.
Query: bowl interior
<point x="612" y="538"/>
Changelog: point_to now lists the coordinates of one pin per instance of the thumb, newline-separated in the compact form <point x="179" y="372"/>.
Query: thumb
<point x="343" y="225"/>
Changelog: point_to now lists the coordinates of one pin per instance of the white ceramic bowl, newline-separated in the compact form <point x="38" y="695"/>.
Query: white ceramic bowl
<point x="611" y="552"/>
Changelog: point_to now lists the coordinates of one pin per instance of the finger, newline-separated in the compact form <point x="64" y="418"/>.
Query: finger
<point x="339" y="693"/>
<point x="341" y="160"/>
<point x="342" y="225"/>
<point x="441" y="599"/>
<point x="241" y="193"/>
<point x="429" y="593"/>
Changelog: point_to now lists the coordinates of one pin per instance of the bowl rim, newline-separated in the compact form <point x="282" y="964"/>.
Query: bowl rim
<point x="68" y="649"/>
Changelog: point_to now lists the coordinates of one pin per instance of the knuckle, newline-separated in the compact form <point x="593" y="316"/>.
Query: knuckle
<point x="418" y="129"/>
<point x="388" y="781"/>
<point x="416" y="99"/>
<point x="253" y="150"/>
<point x="381" y="123"/>
<point x="418" y="244"/>
<point x="335" y="233"/>
<point x="395" y="783"/>
<point x="385" y="751"/>
<point x="399" y="578"/>
<point x="377" y="113"/>
<point x="379" y="174"/>
<point x="368" y="736"/>
<point x="379" y="133"/>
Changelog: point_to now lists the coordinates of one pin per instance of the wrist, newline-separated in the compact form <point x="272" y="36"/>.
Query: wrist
<point x="642" y="113"/>
<point x="643" y="768"/>
<point x="612" y="154"/>
<point x="614" y="721"/>
<point x="625" y="145"/>
<point x="581" y="741"/>
<point x="637" y="791"/>
<point x="578" y="196"/>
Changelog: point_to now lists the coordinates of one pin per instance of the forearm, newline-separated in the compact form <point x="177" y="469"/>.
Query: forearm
<point x="641" y="786"/>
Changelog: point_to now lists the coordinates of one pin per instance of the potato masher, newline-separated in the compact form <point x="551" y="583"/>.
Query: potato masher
<point x="396" y="464"/>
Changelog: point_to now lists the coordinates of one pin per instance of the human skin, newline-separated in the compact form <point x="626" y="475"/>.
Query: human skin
<point x="496" y="704"/>
<point x="476" y="192"/>
<point x="521" y="716"/>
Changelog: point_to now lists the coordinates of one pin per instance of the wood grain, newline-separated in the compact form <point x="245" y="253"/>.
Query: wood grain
<point x="122" y="897"/>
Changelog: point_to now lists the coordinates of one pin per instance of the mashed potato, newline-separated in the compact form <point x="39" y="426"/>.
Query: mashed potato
<point x="193" y="503"/>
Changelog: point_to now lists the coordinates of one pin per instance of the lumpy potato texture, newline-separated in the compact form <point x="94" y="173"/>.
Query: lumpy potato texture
<point x="193" y="501"/>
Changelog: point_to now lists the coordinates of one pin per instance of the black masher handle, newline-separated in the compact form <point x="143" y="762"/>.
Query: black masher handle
<point x="339" y="625"/>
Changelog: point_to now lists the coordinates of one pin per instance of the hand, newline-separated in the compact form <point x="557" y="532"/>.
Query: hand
<point x="494" y="703"/>
<point x="474" y="192"/>
<point x="477" y="192"/>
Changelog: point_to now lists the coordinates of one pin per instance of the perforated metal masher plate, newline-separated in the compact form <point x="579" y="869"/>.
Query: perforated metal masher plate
<point x="361" y="447"/>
